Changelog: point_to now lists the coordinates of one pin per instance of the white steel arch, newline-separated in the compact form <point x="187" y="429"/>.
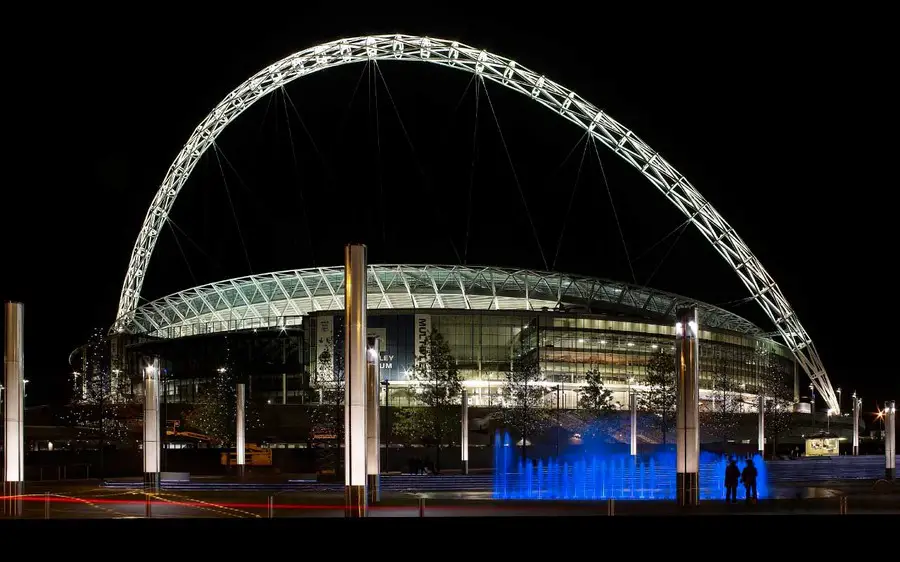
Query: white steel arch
<point x="569" y="105"/>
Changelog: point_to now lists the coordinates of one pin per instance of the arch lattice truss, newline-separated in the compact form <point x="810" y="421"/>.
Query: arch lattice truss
<point x="604" y="129"/>
<point x="280" y="299"/>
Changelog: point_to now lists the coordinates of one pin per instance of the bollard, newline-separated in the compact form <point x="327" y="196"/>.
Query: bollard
<point x="58" y="473"/>
<point x="844" y="510"/>
<point x="271" y="507"/>
<point x="40" y="474"/>
<point x="46" y="505"/>
<point x="147" y="508"/>
<point x="421" y="507"/>
<point x="610" y="507"/>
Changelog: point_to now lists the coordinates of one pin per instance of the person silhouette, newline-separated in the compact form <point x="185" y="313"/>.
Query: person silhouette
<point x="732" y="475"/>
<point x="748" y="476"/>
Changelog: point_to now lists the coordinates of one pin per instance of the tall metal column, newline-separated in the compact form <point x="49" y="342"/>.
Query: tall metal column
<point x="13" y="408"/>
<point x="856" y="402"/>
<point x="632" y="400"/>
<point x="761" y="426"/>
<point x="151" y="426"/>
<point x="355" y="380"/>
<point x="464" y="436"/>
<point x="890" y="440"/>
<point x="687" y="437"/>
<point x="284" y="375"/>
<point x="241" y="441"/>
<point x="373" y="425"/>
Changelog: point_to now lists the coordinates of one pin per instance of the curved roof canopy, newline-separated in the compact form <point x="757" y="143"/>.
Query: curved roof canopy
<point x="282" y="298"/>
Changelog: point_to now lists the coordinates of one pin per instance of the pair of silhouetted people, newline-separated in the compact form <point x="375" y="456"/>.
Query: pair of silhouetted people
<point x="733" y="475"/>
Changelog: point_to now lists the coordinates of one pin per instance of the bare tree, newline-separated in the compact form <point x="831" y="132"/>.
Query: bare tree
<point x="659" y="399"/>
<point x="774" y="384"/>
<point x="725" y="414"/>
<point x="523" y="412"/>
<point x="439" y="389"/>
<point x="596" y="404"/>
<point x="327" y="418"/>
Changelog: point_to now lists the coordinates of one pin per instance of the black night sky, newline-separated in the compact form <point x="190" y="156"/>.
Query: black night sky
<point x="775" y="119"/>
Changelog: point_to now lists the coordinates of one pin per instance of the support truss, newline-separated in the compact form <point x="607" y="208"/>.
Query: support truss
<point x="569" y="105"/>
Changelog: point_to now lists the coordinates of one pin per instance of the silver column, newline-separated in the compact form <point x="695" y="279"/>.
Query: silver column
<point x="241" y="441"/>
<point x="687" y="436"/>
<point x="151" y="425"/>
<point x="14" y="408"/>
<point x="761" y="426"/>
<point x="355" y="380"/>
<point x="890" y="440"/>
<point x="464" y="437"/>
<point x="373" y="433"/>
<point x="632" y="400"/>
<point x="855" y="424"/>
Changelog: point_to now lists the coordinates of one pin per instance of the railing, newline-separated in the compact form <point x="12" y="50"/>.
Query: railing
<point x="58" y="473"/>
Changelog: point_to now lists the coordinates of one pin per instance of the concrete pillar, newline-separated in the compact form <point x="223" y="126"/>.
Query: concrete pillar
<point x="632" y="401"/>
<point x="464" y="437"/>
<point x="355" y="380"/>
<point x="14" y="408"/>
<point x="856" y="405"/>
<point x="687" y="427"/>
<point x="241" y="440"/>
<point x="761" y="425"/>
<point x="890" y="440"/>
<point x="373" y="425"/>
<point x="151" y="426"/>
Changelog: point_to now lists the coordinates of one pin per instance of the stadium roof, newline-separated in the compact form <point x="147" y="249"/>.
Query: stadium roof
<point x="282" y="298"/>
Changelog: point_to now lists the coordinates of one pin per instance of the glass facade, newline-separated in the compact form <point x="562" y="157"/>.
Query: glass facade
<point x="483" y="343"/>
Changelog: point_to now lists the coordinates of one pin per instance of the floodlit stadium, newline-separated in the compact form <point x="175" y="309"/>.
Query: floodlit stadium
<point x="574" y="324"/>
<point x="487" y="314"/>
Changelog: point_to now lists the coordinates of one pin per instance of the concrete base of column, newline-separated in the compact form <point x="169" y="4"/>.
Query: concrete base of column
<point x="855" y="451"/>
<point x="355" y="501"/>
<point x="241" y="471"/>
<point x="465" y="467"/>
<point x="373" y="488"/>
<point x="12" y="498"/>
<point x="151" y="481"/>
<point x="890" y="473"/>
<point x="687" y="488"/>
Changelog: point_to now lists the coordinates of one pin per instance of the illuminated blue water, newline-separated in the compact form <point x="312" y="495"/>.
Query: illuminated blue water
<point x="608" y="475"/>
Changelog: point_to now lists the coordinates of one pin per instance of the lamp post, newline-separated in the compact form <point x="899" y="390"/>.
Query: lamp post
<point x="828" y="421"/>
<point x="856" y="403"/>
<point x="812" y="404"/>
<point x="840" y="403"/>
<point x="387" y="411"/>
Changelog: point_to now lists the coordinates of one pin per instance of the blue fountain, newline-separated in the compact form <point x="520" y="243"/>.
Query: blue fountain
<point x="604" y="475"/>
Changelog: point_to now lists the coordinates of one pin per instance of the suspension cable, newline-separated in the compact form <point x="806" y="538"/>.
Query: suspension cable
<point x="569" y="209"/>
<point x="615" y="214"/>
<point x="412" y="148"/>
<point x="471" y="175"/>
<point x="534" y="231"/>
<point x="231" y="204"/>
<point x="287" y="118"/>
<point x="183" y="255"/>
<point x="373" y="88"/>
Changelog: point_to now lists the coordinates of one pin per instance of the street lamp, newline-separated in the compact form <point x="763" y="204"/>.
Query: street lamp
<point x="812" y="404"/>
<point x="390" y="430"/>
